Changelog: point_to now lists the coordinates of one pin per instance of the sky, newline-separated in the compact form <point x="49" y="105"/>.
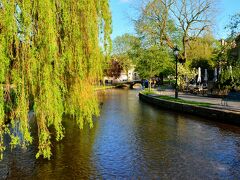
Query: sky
<point x="121" y="17"/>
<point x="123" y="10"/>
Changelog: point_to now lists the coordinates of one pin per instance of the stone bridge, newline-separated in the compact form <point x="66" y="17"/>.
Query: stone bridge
<point x="130" y="83"/>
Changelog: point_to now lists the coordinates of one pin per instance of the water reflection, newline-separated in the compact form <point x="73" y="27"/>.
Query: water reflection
<point x="133" y="139"/>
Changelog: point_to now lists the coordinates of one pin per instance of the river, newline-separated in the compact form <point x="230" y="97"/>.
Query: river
<point x="132" y="139"/>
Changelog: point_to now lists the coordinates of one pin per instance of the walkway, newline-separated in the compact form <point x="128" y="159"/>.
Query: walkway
<point x="217" y="102"/>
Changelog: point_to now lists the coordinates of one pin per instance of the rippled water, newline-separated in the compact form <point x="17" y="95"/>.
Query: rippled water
<point x="133" y="140"/>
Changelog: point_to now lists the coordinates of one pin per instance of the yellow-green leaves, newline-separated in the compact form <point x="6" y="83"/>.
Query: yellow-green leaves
<point x="50" y="57"/>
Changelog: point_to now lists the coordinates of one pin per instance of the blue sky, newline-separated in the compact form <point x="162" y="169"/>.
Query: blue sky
<point x="226" y="9"/>
<point x="122" y="10"/>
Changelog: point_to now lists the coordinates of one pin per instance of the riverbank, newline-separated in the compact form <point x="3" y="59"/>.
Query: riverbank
<point x="212" y="113"/>
<point x="100" y="88"/>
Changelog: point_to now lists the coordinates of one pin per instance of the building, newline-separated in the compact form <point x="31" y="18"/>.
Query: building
<point x="131" y="75"/>
<point x="235" y="47"/>
<point x="237" y="41"/>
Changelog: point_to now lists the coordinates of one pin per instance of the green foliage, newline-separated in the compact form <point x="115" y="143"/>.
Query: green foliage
<point x="236" y="77"/>
<point x="183" y="72"/>
<point x="153" y="61"/>
<point x="202" y="52"/>
<point x="228" y="54"/>
<point x="234" y="26"/>
<point x="124" y="44"/>
<point x="125" y="49"/>
<point x="203" y="63"/>
<point x="155" y="26"/>
<point x="50" y="58"/>
<point x="148" y="92"/>
<point x="229" y="78"/>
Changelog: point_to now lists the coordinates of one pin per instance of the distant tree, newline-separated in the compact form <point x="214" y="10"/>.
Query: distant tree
<point x="230" y="50"/>
<point x="124" y="48"/>
<point x="228" y="57"/>
<point x="158" y="35"/>
<point x="124" y="44"/>
<point x="202" y="52"/>
<point x="154" y="25"/>
<point x="153" y="61"/>
<point x="236" y="77"/>
<point x="193" y="17"/>
<point x="171" y="22"/>
<point x="234" y="26"/>
<point x="114" y="69"/>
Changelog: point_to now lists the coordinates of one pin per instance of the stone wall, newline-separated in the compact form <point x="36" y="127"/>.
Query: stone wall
<point x="224" y="116"/>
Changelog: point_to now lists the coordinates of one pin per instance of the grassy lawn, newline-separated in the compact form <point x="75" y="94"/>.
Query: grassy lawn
<point x="169" y="98"/>
<point x="147" y="92"/>
<point x="98" y="88"/>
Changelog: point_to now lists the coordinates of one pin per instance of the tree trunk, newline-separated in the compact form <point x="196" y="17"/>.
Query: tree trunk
<point x="150" y="85"/>
<point x="161" y="79"/>
<point x="184" y="47"/>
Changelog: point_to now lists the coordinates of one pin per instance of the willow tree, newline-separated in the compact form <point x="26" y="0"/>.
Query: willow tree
<point x="50" y="56"/>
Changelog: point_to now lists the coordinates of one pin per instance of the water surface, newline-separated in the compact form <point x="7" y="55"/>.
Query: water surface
<point x="133" y="140"/>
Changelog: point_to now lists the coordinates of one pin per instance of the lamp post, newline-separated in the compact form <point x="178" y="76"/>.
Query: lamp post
<point x="176" y="52"/>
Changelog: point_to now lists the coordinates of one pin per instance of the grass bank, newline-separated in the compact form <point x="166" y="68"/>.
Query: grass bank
<point x="99" y="88"/>
<point x="169" y="98"/>
<point x="178" y="100"/>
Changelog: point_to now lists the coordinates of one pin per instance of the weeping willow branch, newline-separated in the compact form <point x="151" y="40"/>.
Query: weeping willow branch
<point x="51" y="52"/>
